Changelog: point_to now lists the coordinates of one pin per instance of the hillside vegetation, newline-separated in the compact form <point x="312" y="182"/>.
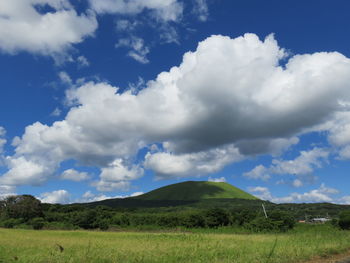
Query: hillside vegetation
<point x="196" y="190"/>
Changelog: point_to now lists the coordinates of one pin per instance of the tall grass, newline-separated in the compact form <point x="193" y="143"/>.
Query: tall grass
<point x="104" y="247"/>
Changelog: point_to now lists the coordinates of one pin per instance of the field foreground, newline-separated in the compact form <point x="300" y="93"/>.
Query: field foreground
<point x="299" y="245"/>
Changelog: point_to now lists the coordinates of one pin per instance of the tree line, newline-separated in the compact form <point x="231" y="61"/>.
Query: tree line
<point x="25" y="211"/>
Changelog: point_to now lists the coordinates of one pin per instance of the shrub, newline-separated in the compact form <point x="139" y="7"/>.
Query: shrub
<point x="103" y="224"/>
<point x="37" y="223"/>
<point x="344" y="220"/>
<point x="216" y="217"/>
<point x="193" y="220"/>
<point x="11" y="223"/>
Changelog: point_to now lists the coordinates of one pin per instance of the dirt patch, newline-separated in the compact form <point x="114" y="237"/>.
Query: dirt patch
<point x="341" y="258"/>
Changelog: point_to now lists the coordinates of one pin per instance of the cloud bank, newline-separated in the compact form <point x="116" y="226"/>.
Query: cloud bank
<point x="228" y="100"/>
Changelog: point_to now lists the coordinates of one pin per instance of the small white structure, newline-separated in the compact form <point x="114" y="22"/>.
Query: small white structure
<point x="320" y="220"/>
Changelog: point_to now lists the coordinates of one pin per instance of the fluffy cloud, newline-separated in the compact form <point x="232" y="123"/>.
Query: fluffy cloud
<point x="225" y="96"/>
<point x="55" y="197"/>
<point x="166" y="165"/>
<point x="259" y="172"/>
<point x="116" y="176"/>
<point x="301" y="166"/>
<point x="322" y="194"/>
<point x="74" y="175"/>
<point x="166" y="10"/>
<point x="24" y="26"/>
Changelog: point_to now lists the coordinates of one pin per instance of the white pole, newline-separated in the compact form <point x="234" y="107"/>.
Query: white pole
<point x="264" y="210"/>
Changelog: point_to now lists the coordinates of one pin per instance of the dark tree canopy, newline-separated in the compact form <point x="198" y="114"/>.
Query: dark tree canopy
<point x="21" y="206"/>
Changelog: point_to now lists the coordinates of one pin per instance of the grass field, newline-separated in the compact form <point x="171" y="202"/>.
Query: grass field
<point x="83" y="246"/>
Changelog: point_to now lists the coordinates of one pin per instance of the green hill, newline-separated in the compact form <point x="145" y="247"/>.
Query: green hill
<point x="196" y="190"/>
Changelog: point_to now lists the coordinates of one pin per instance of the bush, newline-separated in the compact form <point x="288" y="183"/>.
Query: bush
<point x="344" y="220"/>
<point x="282" y="220"/>
<point x="216" y="217"/>
<point x="193" y="220"/>
<point x="10" y="223"/>
<point x="37" y="223"/>
<point x="260" y="224"/>
<point x="277" y="221"/>
<point x="103" y="224"/>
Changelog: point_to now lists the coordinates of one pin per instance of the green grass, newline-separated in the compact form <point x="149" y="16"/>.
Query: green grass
<point x="88" y="246"/>
<point x="196" y="190"/>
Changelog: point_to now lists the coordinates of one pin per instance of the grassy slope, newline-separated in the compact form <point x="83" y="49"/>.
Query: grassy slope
<point x="26" y="246"/>
<point x="194" y="190"/>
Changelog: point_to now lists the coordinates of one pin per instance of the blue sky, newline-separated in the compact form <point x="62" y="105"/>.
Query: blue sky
<point x="111" y="98"/>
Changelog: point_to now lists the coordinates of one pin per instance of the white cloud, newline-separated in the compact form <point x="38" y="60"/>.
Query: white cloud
<point x="56" y="112"/>
<point x="322" y="194"/>
<point x="201" y="9"/>
<point x="25" y="172"/>
<point x="302" y="166"/>
<point x="3" y="141"/>
<point x="64" y="77"/>
<point x="138" y="49"/>
<point x="261" y="192"/>
<point x="217" y="180"/>
<point x="74" y="175"/>
<point x="116" y="176"/>
<point x="226" y="95"/>
<point x="166" y="165"/>
<point x="7" y="190"/>
<point x="136" y="194"/>
<point x="105" y="186"/>
<point x="305" y="163"/>
<point x="91" y="197"/>
<point x="345" y="200"/>
<point x="166" y="10"/>
<point x="24" y="28"/>
<point x="259" y="172"/>
<point x="56" y="197"/>
<point x="126" y="25"/>
<point x="83" y="61"/>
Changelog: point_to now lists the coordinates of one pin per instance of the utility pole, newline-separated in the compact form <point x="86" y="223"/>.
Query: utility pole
<point x="264" y="210"/>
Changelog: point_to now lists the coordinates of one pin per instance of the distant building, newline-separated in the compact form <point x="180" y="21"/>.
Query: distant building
<point x="320" y="220"/>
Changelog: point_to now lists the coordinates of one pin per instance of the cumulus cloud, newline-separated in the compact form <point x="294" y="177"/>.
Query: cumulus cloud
<point x="116" y="176"/>
<point x="74" y="175"/>
<point x="259" y="172"/>
<point x="322" y="194"/>
<point x="25" y="27"/>
<point x="166" y="165"/>
<point x="226" y="95"/>
<point x="56" y="197"/>
<point x="302" y="166"/>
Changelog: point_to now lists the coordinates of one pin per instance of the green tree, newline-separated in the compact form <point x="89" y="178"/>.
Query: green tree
<point x="21" y="206"/>
<point x="216" y="217"/>
<point x="344" y="220"/>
